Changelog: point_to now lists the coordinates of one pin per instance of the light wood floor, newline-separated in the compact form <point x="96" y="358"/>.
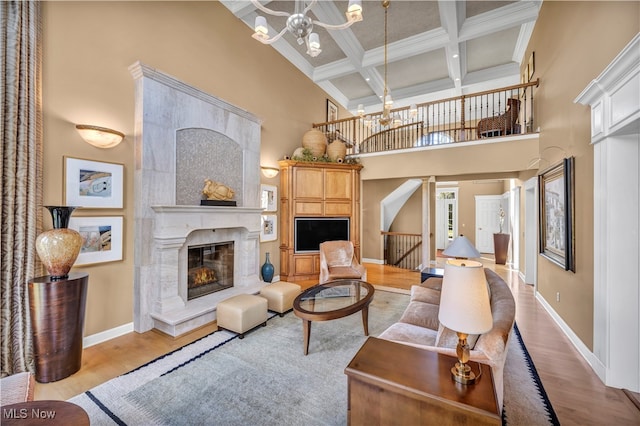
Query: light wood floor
<point x="576" y="393"/>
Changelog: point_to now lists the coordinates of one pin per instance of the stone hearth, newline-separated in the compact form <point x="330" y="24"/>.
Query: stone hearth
<point x="183" y="136"/>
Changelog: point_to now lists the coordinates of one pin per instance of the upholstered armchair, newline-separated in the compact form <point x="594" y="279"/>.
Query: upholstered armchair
<point x="338" y="261"/>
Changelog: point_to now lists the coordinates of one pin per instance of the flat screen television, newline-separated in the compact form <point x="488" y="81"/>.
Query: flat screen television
<point x="309" y="232"/>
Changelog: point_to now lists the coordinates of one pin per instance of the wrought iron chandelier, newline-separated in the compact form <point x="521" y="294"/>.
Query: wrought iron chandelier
<point x="301" y="26"/>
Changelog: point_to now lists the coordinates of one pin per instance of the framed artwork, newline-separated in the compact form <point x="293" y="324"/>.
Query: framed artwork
<point x="269" y="229"/>
<point x="269" y="198"/>
<point x="556" y="209"/>
<point x="101" y="238"/>
<point x="93" y="184"/>
<point x="332" y="111"/>
<point x="531" y="66"/>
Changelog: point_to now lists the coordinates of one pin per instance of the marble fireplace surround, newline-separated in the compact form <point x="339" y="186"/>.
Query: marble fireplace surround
<point x="165" y="224"/>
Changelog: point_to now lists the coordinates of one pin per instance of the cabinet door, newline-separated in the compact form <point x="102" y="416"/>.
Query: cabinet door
<point x="337" y="208"/>
<point x="308" y="183"/>
<point x="338" y="185"/>
<point x="308" y="208"/>
<point x="303" y="265"/>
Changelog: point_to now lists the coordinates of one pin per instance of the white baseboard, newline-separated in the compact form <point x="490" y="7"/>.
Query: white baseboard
<point x="521" y="276"/>
<point x="376" y="261"/>
<point x="103" y="336"/>
<point x="591" y="359"/>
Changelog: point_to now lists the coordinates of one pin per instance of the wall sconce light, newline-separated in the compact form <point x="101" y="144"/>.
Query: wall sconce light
<point x="269" y="172"/>
<point x="100" y="137"/>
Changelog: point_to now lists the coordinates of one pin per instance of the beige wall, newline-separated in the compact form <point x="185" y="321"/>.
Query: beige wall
<point x="88" y="47"/>
<point x="573" y="43"/>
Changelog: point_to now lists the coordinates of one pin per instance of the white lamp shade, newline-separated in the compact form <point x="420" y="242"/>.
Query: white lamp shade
<point x="464" y="300"/>
<point x="261" y="25"/>
<point x="314" y="41"/>
<point x="461" y="247"/>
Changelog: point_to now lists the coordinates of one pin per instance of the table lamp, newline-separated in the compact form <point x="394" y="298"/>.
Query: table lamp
<point x="465" y="309"/>
<point x="461" y="248"/>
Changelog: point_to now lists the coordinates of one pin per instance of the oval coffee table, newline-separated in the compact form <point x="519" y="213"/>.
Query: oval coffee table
<point x="333" y="300"/>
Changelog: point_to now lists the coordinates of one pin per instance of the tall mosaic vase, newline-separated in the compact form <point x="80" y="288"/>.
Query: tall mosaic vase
<point x="59" y="247"/>
<point x="267" y="270"/>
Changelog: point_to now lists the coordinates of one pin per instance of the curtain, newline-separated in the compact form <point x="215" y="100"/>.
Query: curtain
<point x="21" y="130"/>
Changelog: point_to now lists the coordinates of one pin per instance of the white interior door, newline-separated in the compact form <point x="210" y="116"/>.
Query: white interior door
<point x="446" y="216"/>
<point x="487" y="221"/>
<point x="440" y="224"/>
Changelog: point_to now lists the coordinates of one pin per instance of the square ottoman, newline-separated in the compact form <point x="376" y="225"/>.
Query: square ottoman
<point x="241" y="313"/>
<point x="280" y="296"/>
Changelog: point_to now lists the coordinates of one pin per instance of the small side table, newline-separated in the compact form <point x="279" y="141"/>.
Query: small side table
<point x="431" y="272"/>
<point x="57" y="318"/>
<point x="46" y="413"/>
<point x="392" y="383"/>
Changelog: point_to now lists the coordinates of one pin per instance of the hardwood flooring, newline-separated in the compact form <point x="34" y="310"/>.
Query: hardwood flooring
<point x="576" y="393"/>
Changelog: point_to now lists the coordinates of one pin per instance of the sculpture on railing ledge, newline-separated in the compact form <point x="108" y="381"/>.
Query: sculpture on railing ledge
<point x="217" y="191"/>
<point x="504" y="124"/>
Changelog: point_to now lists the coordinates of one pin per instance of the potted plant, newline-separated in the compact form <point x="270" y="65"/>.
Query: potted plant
<point x="501" y="242"/>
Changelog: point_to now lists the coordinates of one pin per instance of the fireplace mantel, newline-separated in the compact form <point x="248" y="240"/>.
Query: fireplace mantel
<point x="179" y="221"/>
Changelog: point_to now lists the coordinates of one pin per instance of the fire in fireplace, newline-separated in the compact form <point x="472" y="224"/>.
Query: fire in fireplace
<point x="210" y="268"/>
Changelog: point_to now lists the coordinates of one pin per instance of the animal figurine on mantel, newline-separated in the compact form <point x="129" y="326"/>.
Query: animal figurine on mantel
<point x="217" y="191"/>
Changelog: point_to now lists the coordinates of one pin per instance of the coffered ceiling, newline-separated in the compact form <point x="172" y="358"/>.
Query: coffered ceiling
<point x="436" y="49"/>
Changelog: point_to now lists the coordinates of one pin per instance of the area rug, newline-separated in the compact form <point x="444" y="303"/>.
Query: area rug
<point x="265" y="378"/>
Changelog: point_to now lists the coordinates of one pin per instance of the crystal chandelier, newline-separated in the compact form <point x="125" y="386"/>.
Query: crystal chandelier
<point x="300" y="25"/>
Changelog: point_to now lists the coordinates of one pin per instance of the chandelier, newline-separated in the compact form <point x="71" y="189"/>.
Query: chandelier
<point x="300" y="25"/>
<point x="386" y="118"/>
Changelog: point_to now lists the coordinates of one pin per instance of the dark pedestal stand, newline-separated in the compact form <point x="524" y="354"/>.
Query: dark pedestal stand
<point x="501" y="247"/>
<point x="57" y="319"/>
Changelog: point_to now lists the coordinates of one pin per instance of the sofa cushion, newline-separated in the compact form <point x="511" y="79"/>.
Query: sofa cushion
<point x="425" y="295"/>
<point x="409" y="333"/>
<point x="434" y="283"/>
<point x="448" y="338"/>
<point x="421" y="314"/>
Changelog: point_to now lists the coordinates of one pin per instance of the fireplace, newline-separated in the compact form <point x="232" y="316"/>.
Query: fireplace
<point x="210" y="269"/>
<point x="182" y="136"/>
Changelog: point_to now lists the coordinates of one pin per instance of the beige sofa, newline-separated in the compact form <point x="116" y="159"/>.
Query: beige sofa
<point x="419" y="326"/>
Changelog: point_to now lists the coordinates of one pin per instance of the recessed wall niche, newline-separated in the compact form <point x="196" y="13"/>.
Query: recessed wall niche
<point x="206" y="154"/>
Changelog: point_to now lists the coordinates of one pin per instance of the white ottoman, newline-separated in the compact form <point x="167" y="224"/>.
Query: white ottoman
<point x="280" y="296"/>
<point x="241" y="313"/>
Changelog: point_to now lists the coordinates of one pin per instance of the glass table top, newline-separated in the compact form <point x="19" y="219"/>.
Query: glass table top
<point x="334" y="295"/>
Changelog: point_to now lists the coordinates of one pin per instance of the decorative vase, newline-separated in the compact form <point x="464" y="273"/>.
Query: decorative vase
<point x="315" y="141"/>
<point x="267" y="270"/>
<point x="336" y="150"/>
<point x="501" y="247"/>
<point x="59" y="247"/>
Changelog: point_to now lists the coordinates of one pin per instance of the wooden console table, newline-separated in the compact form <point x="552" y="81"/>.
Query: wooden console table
<point x="392" y="383"/>
<point x="57" y="316"/>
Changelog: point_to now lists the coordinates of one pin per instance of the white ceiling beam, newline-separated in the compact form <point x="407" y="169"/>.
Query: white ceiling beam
<point x="523" y="41"/>
<point x="500" y="19"/>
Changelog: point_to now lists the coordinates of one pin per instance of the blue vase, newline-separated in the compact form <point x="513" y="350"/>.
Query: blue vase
<point x="267" y="270"/>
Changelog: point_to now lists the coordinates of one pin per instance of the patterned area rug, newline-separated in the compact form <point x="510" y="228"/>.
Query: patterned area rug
<point x="264" y="378"/>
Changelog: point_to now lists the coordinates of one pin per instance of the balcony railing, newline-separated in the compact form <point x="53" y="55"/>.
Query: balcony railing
<point x="482" y="115"/>
<point x="402" y="250"/>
